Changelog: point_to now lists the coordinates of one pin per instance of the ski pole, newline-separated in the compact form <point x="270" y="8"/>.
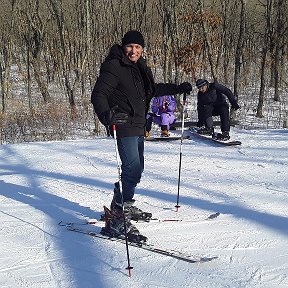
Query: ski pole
<point x="129" y="267"/>
<point x="180" y="156"/>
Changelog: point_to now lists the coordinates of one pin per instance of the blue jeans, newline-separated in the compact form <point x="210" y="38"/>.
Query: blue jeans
<point x="131" y="152"/>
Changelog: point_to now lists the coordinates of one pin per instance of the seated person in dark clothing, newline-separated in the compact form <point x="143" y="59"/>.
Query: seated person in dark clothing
<point x="211" y="101"/>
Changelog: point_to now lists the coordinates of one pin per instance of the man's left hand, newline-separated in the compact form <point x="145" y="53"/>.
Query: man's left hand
<point x="235" y="106"/>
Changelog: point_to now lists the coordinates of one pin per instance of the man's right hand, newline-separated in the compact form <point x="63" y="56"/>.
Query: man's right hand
<point x="111" y="117"/>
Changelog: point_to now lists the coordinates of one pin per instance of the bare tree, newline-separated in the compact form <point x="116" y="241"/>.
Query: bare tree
<point x="31" y="27"/>
<point x="6" y="49"/>
<point x="208" y="46"/>
<point x="265" y="49"/>
<point x="239" y="47"/>
<point x="279" y="36"/>
<point x="67" y="46"/>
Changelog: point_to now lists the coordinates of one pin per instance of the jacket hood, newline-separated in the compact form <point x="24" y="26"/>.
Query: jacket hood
<point x="116" y="52"/>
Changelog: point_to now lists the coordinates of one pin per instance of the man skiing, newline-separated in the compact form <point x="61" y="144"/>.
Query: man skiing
<point x="211" y="101"/>
<point x="121" y="96"/>
<point x="163" y="109"/>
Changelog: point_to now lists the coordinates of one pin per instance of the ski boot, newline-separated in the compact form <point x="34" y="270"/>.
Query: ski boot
<point x="131" y="212"/>
<point x="221" y="136"/>
<point x="165" y="133"/>
<point x="134" y="213"/>
<point x="147" y="134"/>
<point x="205" y="131"/>
<point x="115" y="227"/>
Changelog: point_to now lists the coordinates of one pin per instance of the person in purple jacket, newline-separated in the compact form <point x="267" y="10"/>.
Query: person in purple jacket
<point x="163" y="109"/>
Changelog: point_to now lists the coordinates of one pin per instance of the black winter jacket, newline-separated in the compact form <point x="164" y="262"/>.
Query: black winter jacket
<point x="215" y="95"/>
<point x="131" y="87"/>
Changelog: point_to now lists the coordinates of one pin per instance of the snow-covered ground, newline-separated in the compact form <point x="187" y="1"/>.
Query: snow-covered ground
<point x="44" y="183"/>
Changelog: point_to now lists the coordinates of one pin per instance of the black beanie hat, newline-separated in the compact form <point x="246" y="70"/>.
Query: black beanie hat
<point x="134" y="37"/>
<point x="201" y="82"/>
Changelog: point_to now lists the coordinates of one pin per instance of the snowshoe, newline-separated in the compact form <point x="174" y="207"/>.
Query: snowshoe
<point x="115" y="227"/>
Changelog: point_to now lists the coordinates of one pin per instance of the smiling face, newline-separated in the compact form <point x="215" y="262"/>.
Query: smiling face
<point x="203" y="88"/>
<point x="133" y="52"/>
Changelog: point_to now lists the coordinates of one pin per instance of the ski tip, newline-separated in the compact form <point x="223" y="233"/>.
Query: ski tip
<point x="214" y="215"/>
<point x="208" y="258"/>
<point x="92" y="221"/>
<point x="167" y="208"/>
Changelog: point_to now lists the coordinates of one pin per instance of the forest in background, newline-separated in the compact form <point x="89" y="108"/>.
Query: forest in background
<point x="51" y="52"/>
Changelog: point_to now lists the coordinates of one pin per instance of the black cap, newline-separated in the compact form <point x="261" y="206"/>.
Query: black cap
<point x="134" y="37"/>
<point x="201" y="82"/>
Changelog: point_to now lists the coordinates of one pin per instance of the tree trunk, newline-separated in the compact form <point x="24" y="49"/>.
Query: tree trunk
<point x="208" y="49"/>
<point x="266" y="38"/>
<point x="239" y="49"/>
<point x="278" y="42"/>
<point x="29" y="80"/>
<point x="6" y="47"/>
<point x="238" y="54"/>
<point x="39" y="79"/>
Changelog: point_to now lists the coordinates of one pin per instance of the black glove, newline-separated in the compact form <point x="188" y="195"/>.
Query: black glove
<point x="152" y="114"/>
<point x="111" y="117"/>
<point x="235" y="105"/>
<point x="184" y="87"/>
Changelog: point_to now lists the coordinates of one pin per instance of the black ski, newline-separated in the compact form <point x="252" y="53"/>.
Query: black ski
<point x="93" y="231"/>
<point x="210" y="217"/>
<point x="193" y="131"/>
<point x="165" y="139"/>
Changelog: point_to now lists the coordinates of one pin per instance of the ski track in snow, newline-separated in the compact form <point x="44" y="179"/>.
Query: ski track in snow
<point x="44" y="183"/>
